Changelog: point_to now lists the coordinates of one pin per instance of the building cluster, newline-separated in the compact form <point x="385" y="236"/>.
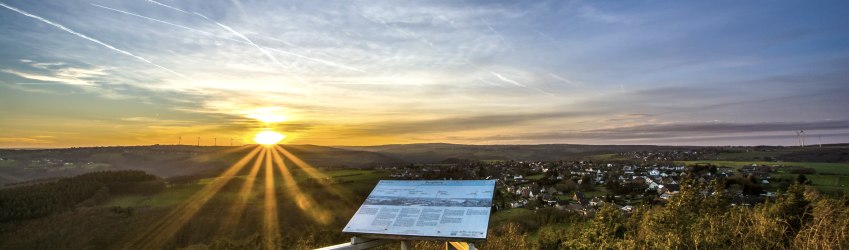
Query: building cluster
<point x="583" y="186"/>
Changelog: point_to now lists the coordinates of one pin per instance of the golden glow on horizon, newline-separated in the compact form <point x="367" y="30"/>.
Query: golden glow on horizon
<point x="267" y="115"/>
<point x="268" y="118"/>
<point x="268" y="137"/>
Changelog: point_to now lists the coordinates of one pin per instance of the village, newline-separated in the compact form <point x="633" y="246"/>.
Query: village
<point x="584" y="186"/>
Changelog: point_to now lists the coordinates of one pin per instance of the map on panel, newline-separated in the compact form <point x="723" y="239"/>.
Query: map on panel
<point x="441" y="208"/>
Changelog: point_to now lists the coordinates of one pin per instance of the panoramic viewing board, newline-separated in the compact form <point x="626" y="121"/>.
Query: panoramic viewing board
<point x="438" y="209"/>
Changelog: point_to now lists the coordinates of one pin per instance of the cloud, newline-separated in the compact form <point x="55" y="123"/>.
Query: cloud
<point x="456" y="124"/>
<point x="56" y="79"/>
<point x="60" y="72"/>
<point x="89" y="38"/>
<point x="694" y="132"/>
<point x="441" y="68"/>
<point x="26" y="140"/>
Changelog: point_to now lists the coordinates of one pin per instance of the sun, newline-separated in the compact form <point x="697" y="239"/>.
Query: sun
<point x="268" y="137"/>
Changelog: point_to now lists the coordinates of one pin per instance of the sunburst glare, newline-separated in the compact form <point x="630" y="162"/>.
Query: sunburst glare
<point x="268" y="137"/>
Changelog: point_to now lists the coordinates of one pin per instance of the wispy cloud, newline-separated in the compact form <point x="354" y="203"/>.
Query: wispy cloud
<point x="169" y="6"/>
<point x="244" y="40"/>
<point x="511" y="81"/>
<point x="25" y="140"/>
<point x="500" y="37"/>
<point x="66" y="29"/>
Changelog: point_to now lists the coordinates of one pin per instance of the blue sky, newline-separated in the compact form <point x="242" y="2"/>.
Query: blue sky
<point x="82" y="73"/>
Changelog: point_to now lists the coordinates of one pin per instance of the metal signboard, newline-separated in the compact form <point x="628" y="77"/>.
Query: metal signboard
<point x="440" y="209"/>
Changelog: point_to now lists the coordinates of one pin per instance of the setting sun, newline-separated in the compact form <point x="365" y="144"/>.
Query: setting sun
<point x="268" y="137"/>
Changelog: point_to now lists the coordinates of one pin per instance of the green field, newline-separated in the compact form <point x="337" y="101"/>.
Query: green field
<point x="820" y="167"/>
<point x="169" y="197"/>
<point x="825" y="183"/>
<point x="829" y="177"/>
<point x="510" y="214"/>
<point x="746" y="156"/>
<point x="5" y="163"/>
<point x="357" y="181"/>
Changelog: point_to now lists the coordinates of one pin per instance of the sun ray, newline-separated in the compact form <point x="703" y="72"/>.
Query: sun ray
<point x="304" y="202"/>
<point x="271" y="229"/>
<point x="219" y="152"/>
<point x="235" y="214"/>
<point x="157" y="235"/>
<point x="343" y="194"/>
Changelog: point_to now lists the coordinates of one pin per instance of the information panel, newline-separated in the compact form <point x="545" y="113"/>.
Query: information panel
<point x="442" y="209"/>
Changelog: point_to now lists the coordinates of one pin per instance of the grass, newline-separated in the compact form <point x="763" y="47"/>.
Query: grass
<point x="820" y="167"/>
<point x="837" y="178"/>
<point x="598" y="192"/>
<point x="825" y="183"/>
<point x="510" y="214"/>
<point x="6" y="163"/>
<point x="358" y="181"/>
<point x="169" y="197"/>
<point x="745" y="156"/>
<point x="604" y="157"/>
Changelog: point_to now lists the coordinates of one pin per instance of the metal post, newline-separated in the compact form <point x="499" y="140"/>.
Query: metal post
<point x="405" y="245"/>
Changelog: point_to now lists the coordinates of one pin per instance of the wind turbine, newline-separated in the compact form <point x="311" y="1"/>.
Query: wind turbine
<point x="802" y="131"/>
<point x="179" y="140"/>
<point x="799" y="137"/>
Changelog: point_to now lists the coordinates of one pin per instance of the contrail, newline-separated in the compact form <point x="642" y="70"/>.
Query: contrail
<point x="222" y="26"/>
<point x="503" y="40"/>
<point x="226" y="28"/>
<point x="243" y="37"/>
<point x="246" y="40"/>
<point x="505" y="79"/>
<point x="560" y="78"/>
<point x="157" y="20"/>
<point x="169" y="6"/>
<point x="89" y="38"/>
<point x="329" y="63"/>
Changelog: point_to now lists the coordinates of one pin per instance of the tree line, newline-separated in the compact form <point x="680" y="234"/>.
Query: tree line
<point x="38" y="200"/>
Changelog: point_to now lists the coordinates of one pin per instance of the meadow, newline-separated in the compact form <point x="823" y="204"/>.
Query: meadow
<point x="828" y="178"/>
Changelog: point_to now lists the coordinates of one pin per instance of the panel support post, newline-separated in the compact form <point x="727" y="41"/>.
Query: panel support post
<point x="405" y="245"/>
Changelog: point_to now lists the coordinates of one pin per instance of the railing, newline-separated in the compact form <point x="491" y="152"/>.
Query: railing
<point x="365" y="243"/>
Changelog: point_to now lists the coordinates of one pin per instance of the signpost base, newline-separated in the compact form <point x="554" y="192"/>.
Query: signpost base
<point x="459" y="246"/>
<point x="358" y="243"/>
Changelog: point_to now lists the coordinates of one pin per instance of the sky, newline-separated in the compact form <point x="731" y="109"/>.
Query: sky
<point x="98" y="73"/>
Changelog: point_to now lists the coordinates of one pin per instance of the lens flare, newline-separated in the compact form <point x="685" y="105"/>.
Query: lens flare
<point x="268" y="137"/>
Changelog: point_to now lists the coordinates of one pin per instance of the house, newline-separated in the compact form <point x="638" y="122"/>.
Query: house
<point x="595" y="202"/>
<point x="653" y="186"/>
<point x="528" y="193"/>
<point x="580" y="198"/>
<point x="669" y="189"/>
<point x="654" y="172"/>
